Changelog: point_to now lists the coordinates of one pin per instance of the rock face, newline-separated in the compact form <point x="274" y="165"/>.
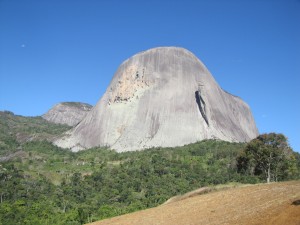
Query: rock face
<point x="70" y="113"/>
<point x="162" y="97"/>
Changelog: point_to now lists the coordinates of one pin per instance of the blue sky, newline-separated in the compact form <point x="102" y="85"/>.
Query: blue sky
<point x="68" y="50"/>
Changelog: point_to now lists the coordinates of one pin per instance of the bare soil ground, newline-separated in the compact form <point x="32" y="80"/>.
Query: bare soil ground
<point x="270" y="204"/>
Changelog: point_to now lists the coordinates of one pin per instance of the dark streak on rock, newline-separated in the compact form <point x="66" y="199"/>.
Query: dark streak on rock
<point x="201" y="106"/>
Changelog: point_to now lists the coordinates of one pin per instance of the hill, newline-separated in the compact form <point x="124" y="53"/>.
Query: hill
<point x="43" y="184"/>
<point x="70" y="113"/>
<point x="16" y="130"/>
<point x="269" y="204"/>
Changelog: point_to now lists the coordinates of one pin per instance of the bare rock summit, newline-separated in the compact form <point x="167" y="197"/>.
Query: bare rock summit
<point x="162" y="97"/>
<point x="70" y="113"/>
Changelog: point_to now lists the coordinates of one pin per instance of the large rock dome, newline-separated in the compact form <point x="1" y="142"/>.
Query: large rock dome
<point x="162" y="97"/>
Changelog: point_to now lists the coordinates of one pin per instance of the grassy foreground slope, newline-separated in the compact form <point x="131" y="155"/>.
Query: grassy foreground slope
<point x="275" y="203"/>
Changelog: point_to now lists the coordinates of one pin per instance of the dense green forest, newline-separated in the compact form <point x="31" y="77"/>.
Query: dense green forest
<point x="44" y="184"/>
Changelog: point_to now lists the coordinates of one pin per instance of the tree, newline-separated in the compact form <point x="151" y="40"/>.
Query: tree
<point x="265" y="155"/>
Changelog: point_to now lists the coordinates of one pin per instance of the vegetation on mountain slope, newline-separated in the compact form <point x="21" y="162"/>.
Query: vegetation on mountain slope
<point x="16" y="130"/>
<point x="49" y="185"/>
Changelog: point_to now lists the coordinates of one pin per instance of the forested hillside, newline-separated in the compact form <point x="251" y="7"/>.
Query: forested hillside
<point x="16" y="130"/>
<point x="44" y="184"/>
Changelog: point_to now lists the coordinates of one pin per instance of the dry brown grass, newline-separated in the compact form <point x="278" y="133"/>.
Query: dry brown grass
<point x="270" y="204"/>
<point x="194" y="193"/>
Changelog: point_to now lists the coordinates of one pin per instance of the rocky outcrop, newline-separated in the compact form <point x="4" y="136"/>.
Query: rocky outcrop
<point x="70" y="113"/>
<point x="162" y="97"/>
<point x="19" y="154"/>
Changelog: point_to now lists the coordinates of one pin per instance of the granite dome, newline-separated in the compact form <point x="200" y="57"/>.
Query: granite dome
<point x="162" y="97"/>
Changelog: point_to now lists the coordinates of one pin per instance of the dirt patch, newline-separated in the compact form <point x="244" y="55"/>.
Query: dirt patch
<point x="271" y="204"/>
<point x="194" y="193"/>
<point x="289" y="215"/>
